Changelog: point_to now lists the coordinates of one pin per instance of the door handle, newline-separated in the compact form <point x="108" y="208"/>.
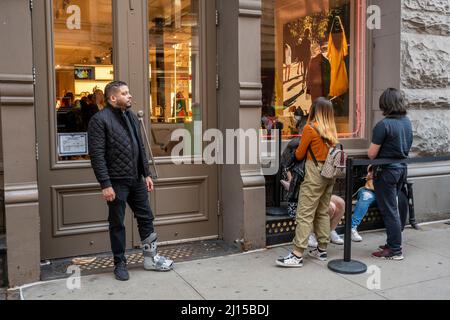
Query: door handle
<point x="141" y="120"/>
<point x="131" y="4"/>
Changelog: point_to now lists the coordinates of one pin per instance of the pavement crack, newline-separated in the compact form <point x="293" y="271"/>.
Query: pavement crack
<point x="190" y="285"/>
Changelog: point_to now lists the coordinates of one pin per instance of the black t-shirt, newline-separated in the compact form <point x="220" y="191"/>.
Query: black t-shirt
<point x="395" y="136"/>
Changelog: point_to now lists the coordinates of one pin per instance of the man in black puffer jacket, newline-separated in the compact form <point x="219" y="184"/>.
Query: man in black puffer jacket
<point x="120" y="165"/>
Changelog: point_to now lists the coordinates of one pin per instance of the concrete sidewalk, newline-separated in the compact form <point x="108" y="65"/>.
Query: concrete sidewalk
<point x="424" y="274"/>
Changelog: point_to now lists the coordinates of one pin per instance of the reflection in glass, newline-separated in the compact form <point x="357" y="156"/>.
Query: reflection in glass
<point x="83" y="41"/>
<point x="174" y="70"/>
<point x="305" y="55"/>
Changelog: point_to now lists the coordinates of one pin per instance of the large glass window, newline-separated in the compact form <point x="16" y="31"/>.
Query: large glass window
<point x="174" y="70"/>
<point x="308" y="51"/>
<point x="83" y="41"/>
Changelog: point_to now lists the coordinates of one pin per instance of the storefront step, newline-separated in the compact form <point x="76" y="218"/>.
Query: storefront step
<point x="101" y="263"/>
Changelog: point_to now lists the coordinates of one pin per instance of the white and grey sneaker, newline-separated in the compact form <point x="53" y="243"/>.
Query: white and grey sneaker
<point x="335" y="238"/>
<point x="318" y="254"/>
<point x="312" y="241"/>
<point x="290" y="261"/>
<point x="355" y="235"/>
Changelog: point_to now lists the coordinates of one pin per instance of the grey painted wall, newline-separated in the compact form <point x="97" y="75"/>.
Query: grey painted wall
<point x="239" y="105"/>
<point x="18" y="143"/>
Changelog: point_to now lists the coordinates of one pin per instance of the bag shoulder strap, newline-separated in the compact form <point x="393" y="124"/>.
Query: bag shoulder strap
<point x="317" y="130"/>
<point x="309" y="147"/>
<point x="313" y="156"/>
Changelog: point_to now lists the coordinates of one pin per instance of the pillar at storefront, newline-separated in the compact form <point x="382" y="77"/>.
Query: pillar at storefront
<point x="17" y="116"/>
<point x="239" y="103"/>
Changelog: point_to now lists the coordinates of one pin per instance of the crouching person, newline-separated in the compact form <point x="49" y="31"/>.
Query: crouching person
<point x="120" y="165"/>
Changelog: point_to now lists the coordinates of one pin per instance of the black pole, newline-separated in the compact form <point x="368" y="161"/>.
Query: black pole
<point x="348" y="210"/>
<point x="412" y="214"/>
<point x="347" y="265"/>
<point x="277" y="199"/>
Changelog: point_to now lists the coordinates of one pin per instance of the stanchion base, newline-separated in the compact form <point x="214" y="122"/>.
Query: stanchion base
<point x="350" y="267"/>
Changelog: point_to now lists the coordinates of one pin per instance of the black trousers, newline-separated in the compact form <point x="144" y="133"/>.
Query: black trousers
<point x="133" y="192"/>
<point x="388" y="185"/>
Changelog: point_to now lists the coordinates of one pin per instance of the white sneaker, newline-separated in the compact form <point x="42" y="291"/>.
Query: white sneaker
<point x="312" y="241"/>
<point x="318" y="254"/>
<point x="290" y="261"/>
<point x="335" y="238"/>
<point x="355" y="235"/>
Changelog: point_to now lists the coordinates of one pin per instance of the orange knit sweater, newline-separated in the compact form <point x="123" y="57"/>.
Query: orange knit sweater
<point x="312" y="138"/>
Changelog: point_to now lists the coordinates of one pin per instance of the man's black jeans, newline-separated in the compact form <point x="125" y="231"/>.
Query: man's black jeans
<point x="133" y="192"/>
<point x="388" y="184"/>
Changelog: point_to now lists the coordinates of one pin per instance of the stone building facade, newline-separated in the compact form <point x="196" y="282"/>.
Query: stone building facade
<point x="425" y="72"/>
<point x="411" y="52"/>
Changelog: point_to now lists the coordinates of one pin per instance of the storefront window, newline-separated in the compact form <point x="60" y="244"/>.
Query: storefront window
<point x="174" y="70"/>
<point x="307" y="52"/>
<point x="83" y="36"/>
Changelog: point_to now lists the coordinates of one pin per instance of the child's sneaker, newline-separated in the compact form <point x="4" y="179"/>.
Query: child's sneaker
<point x="290" y="261"/>
<point x="318" y="254"/>
<point x="355" y="235"/>
<point x="335" y="238"/>
<point x="312" y="241"/>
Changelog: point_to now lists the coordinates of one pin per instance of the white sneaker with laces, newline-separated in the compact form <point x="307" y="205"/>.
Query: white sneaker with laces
<point x="312" y="241"/>
<point x="290" y="261"/>
<point x="318" y="254"/>
<point x="335" y="238"/>
<point x="355" y="235"/>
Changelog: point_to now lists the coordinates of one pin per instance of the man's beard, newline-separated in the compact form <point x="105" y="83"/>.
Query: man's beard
<point x="124" y="106"/>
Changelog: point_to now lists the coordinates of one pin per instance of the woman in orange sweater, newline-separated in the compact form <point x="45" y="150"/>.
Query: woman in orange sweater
<point x="315" y="192"/>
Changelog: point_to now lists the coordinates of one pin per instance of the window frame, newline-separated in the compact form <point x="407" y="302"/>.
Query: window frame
<point x="57" y="164"/>
<point x="360" y="83"/>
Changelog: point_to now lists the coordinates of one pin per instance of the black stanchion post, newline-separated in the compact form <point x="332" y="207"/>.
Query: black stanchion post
<point x="347" y="265"/>
<point x="348" y="211"/>
<point x="277" y="198"/>
<point x="277" y="210"/>
<point x="412" y="215"/>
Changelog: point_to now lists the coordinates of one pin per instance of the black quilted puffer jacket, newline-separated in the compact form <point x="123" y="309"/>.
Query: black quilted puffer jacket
<point x="110" y="147"/>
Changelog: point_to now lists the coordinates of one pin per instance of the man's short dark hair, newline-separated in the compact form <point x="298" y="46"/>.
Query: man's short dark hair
<point x="112" y="87"/>
<point x="392" y="103"/>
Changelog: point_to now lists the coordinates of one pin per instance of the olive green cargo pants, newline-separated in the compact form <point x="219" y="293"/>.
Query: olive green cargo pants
<point x="312" y="210"/>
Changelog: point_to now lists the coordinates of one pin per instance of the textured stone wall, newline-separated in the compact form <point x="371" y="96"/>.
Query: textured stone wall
<point x="425" y="72"/>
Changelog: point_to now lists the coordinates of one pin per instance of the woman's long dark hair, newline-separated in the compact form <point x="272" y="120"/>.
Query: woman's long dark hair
<point x="392" y="103"/>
